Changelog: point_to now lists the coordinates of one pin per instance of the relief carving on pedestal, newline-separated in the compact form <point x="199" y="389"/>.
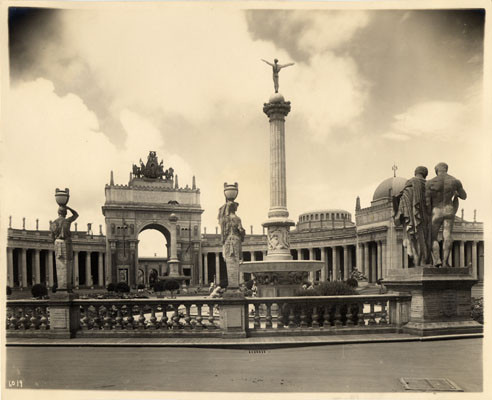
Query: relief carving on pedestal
<point x="278" y="238"/>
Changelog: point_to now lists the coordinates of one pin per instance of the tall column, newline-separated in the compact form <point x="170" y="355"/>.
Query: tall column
<point x="334" y="263"/>
<point x="205" y="269"/>
<point x="37" y="266"/>
<point x="76" y="269"/>
<point x="173" y="261"/>
<point x="88" y="274"/>
<point x="50" y="266"/>
<point x="380" y="260"/>
<point x="100" y="269"/>
<point x="217" y="268"/>
<point x="253" y="256"/>
<point x="474" y="260"/>
<point x="366" y="260"/>
<point x="324" y="271"/>
<point x="374" y="264"/>
<point x="345" y="263"/>
<point x="10" y="266"/>
<point x="384" y="260"/>
<point x="23" y="264"/>
<point x="358" y="256"/>
<point x="462" y="254"/>
<point x="278" y="224"/>
<point x="312" y="275"/>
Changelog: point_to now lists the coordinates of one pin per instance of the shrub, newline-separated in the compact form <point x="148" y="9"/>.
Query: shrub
<point x="122" y="287"/>
<point x="171" y="285"/>
<point x="9" y="290"/>
<point x="158" y="286"/>
<point x="39" y="290"/>
<point x="352" y="282"/>
<point x="477" y="310"/>
<point x="140" y="286"/>
<point x="111" y="287"/>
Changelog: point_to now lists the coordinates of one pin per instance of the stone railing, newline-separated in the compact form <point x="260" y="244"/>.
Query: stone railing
<point x="331" y="314"/>
<point x="204" y="317"/>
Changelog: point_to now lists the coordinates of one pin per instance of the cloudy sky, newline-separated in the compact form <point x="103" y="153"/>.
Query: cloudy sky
<point x="93" y="90"/>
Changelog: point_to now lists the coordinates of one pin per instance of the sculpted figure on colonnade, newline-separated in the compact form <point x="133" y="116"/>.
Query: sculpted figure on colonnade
<point x="232" y="234"/>
<point x="276" y="67"/>
<point x="60" y="233"/>
<point x="411" y="212"/>
<point x="442" y="193"/>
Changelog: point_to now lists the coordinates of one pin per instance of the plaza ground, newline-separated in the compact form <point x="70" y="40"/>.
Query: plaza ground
<point x="357" y="367"/>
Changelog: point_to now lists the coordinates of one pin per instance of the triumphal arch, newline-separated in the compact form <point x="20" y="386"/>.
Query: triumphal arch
<point x="152" y="199"/>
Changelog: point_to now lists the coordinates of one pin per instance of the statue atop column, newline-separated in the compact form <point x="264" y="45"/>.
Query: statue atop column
<point x="442" y="193"/>
<point x="410" y="211"/>
<point x="232" y="234"/>
<point x="60" y="233"/>
<point x="276" y="67"/>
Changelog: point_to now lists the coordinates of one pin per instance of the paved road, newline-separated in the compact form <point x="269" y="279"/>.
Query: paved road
<point x="373" y="367"/>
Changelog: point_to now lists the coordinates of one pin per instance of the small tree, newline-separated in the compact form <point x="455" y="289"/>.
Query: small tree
<point x="352" y="282"/>
<point x="38" y="291"/>
<point x="171" y="285"/>
<point x="140" y="286"/>
<point x="111" y="287"/>
<point x="158" y="286"/>
<point x="122" y="287"/>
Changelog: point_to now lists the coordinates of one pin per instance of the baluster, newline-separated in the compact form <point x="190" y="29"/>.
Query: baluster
<point x="175" y="317"/>
<point x="257" y="323"/>
<point x="314" y="317"/>
<point x="268" y="322"/>
<point x="13" y="320"/>
<point x="292" y="317"/>
<point x="187" y="319"/>
<point x="22" y="319"/>
<point x="303" y="316"/>
<point x="211" y="317"/>
<point x="360" y="314"/>
<point x="129" y="319"/>
<point x="199" y="318"/>
<point x="326" y="316"/>
<point x="383" y="320"/>
<point x="107" y="318"/>
<point x="350" y="315"/>
<point x="153" y="320"/>
<point x="164" y="318"/>
<point x="98" y="321"/>
<point x="84" y="322"/>
<point x="141" y="318"/>
<point x="280" y="316"/>
<point x="119" y="319"/>
<point x="43" y="320"/>
<point x="372" y="320"/>
<point x="338" y="315"/>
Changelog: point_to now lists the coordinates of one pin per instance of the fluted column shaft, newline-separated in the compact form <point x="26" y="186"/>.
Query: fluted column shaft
<point x="205" y="269"/>
<point x="23" y="264"/>
<point x="76" y="269"/>
<point x="100" y="269"/>
<point x="217" y="267"/>
<point x="88" y="274"/>
<point x="37" y="266"/>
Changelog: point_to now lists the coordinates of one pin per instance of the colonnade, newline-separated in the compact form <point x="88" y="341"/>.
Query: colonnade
<point x="27" y="267"/>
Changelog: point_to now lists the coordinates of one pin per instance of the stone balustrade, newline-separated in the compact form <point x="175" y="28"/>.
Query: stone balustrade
<point x="202" y="317"/>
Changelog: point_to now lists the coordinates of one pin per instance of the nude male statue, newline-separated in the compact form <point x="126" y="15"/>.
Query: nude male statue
<point x="441" y="194"/>
<point x="276" y="67"/>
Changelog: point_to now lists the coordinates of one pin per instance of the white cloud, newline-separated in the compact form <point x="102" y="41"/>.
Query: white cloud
<point x="437" y="120"/>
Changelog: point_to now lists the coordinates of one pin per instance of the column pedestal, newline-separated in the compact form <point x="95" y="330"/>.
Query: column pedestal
<point x="233" y="320"/>
<point x="441" y="300"/>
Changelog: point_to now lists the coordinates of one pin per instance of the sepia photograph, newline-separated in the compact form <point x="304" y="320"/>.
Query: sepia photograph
<point x="260" y="200"/>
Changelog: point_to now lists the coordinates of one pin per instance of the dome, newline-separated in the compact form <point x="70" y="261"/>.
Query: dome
<point x="396" y="184"/>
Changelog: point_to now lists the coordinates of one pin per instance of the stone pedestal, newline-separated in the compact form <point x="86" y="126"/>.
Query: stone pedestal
<point x="64" y="315"/>
<point x="441" y="299"/>
<point x="174" y="268"/>
<point x="233" y="320"/>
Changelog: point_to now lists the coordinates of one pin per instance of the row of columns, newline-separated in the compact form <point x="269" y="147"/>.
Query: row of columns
<point x="341" y="269"/>
<point x="49" y="267"/>
<point x="372" y="259"/>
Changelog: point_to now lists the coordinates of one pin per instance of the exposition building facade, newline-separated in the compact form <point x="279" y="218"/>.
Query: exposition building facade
<point x="153" y="199"/>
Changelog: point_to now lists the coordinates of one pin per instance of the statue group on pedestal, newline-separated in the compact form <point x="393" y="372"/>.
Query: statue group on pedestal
<point x="422" y="208"/>
<point x="153" y="169"/>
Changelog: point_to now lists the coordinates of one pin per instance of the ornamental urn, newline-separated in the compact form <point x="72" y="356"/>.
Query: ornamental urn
<point x="62" y="196"/>
<point x="230" y="191"/>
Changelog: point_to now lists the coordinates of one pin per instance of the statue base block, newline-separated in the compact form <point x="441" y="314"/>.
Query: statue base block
<point x="233" y="320"/>
<point x="441" y="300"/>
<point x="64" y="315"/>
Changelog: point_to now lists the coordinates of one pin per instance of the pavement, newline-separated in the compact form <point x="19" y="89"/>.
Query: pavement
<point x="344" y="368"/>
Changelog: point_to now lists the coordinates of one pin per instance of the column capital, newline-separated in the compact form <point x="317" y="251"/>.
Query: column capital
<point x="277" y="109"/>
